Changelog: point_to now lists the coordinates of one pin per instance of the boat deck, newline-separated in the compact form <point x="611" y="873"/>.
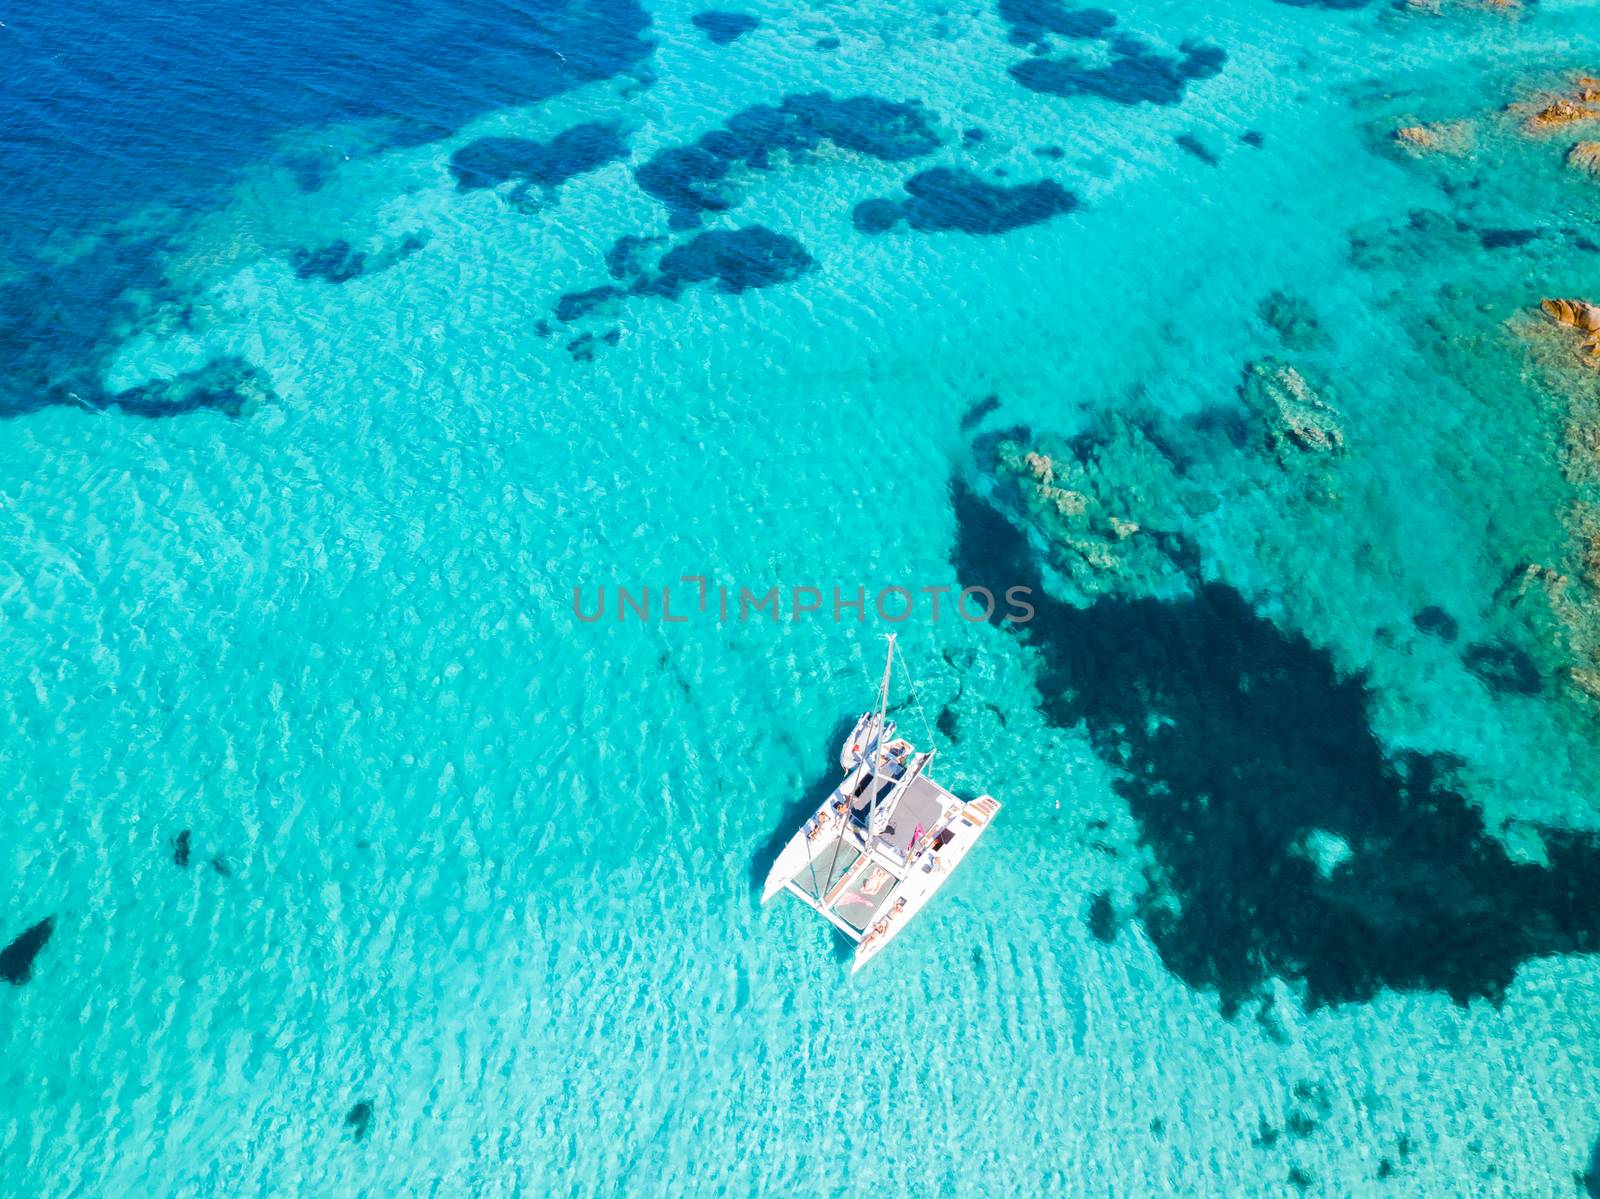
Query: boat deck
<point x="923" y="805"/>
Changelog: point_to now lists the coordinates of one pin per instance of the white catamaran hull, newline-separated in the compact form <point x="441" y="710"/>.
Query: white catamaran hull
<point x="930" y="873"/>
<point x="884" y="841"/>
<point x="804" y="848"/>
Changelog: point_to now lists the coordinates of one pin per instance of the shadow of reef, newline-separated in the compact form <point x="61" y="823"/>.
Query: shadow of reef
<point x="1286" y="842"/>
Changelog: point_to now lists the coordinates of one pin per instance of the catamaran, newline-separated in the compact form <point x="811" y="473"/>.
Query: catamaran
<point x="884" y="841"/>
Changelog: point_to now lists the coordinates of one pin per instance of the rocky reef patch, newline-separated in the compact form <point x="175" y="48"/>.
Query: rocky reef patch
<point x="693" y="180"/>
<point x="339" y="261"/>
<point x="1237" y="743"/>
<point x="723" y="28"/>
<point x="1294" y="415"/>
<point x="733" y="261"/>
<point x="1104" y="527"/>
<point x="945" y="199"/>
<point x="492" y="161"/>
<point x="229" y="386"/>
<point x="1032" y="22"/>
<point x="1555" y="112"/>
<point x="1136" y="72"/>
<point x="358" y="1120"/>
<point x="1580" y="316"/>
<point x="1456" y="138"/>
<point x="1192" y="145"/>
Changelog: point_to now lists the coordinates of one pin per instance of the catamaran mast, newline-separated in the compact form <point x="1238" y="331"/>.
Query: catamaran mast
<point x="878" y="755"/>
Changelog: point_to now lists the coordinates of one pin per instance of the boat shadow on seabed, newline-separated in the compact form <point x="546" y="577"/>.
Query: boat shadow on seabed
<point x="798" y="809"/>
<point x="796" y="812"/>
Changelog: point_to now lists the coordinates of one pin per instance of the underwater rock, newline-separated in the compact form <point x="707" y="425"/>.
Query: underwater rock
<point x="1580" y="315"/>
<point x="1562" y="614"/>
<point x="975" y="415"/>
<point x="1234" y="739"/>
<point x="1031" y="21"/>
<point x="1191" y="144"/>
<point x="1135" y="73"/>
<point x="1293" y="319"/>
<point x="1554" y="112"/>
<point x="491" y="161"/>
<point x="1562" y="112"/>
<point x="1585" y="156"/>
<point x="1503" y="239"/>
<point x="1504" y="668"/>
<point x="227" y="385"/>
<point x="687" y="179"/>
<point x="359" y="1120"/>
<point x="622" y="259"/>
<point x="736" y="260"/>
<point x="946" y="199"/>
<point x="1294" y="413"/>
<point x="575" y="304"/>
<point x="1102" y="918"/>
<point x="1420" y="233"/>
<point x="16" y="959"/>
<point x="1091" y="499"/>
<point x="722" y="28"/>
<point x="1438" y="137"/>
<point x="1309" y="1110"/>
<point x="339" y="262"/>
<point x="1436" y="622"/>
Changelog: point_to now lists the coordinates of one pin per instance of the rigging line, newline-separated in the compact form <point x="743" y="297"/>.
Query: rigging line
<point x="871" y="773"/>
<point x="921" y="711"/>
<point x="837" y="846"/>
<point x="811" y="865"/>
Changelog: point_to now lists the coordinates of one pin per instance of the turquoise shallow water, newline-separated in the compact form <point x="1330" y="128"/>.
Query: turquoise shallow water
<point x="490" y="871"/>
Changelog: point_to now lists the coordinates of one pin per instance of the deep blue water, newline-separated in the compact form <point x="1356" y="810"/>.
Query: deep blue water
<point x="110" y="107"/>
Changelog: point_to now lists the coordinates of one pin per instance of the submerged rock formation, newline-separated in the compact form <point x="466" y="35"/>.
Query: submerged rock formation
<point x="1091" y="498"/>
<point x="1293" y="319"/>
<point x="1228" y="731"/>
<point x="1585" y="156"/>
<point x="1293" y="411"/>
<point x="1563" y="615"/>
<point x="1436" y="137"/>
<point x="359" y="1120"/>
<point x="1580" y="104"/>
<point x="1580" y="315"/>
<point x="1560" y="603"/>
<point x="1437" y="7"/>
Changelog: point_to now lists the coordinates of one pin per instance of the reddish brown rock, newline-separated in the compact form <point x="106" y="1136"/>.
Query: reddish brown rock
<point x="1563" y="111"/>
<point x="1436" y="137"/>
<point x="1580" y="315"/>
